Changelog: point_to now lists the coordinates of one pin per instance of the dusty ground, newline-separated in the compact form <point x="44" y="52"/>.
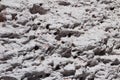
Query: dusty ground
<point x="59" y="40"/>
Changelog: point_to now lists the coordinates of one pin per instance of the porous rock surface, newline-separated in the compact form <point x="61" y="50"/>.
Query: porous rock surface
<point x="59" y="40"/>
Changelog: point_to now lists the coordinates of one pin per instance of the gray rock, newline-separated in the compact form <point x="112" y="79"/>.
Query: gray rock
<point x="68" y="70"/>
<point x="7" y="78"/>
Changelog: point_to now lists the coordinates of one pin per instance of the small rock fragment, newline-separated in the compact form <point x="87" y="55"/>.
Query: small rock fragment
<point x="105" y="61"/>
<point x="63" y="3"/>
<point x="67" y="33"/>
<point x="6" y="57"/>
<point x="115" y="62"/>
<point x="2" y="7"/>
<point x="38" y="9"/>
<point x="92" y="63"/>
<point x="14" y="16"/>
<point x="80" y="74"/>
<point x="2" y="18"/>
<point x="68" y="70"/>
<point x="99" y="51"/>
<point x="35" y="75"/>
<point x="66" y="52"/>
<point x="7" y="78"/>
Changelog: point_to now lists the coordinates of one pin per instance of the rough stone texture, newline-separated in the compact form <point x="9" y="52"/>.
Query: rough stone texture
<point x="59" y="40"/>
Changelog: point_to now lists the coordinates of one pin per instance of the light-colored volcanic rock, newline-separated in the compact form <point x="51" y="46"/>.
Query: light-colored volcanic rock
<point x="59" y="40"/>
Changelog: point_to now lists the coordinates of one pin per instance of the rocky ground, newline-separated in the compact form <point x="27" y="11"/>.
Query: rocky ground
<point x="59" y="40"/>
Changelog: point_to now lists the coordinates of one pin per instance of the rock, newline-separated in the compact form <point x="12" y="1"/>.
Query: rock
<point x="67" y="33"/>
<point x="50" y="50"/>
<point x="105" y="61"/>
<point x="2" y="7"/>
<point x="115" y="62"/>
<point x="91" y="77"/>
<point x="68" y="70"/>
<point x="7" y="78"/>
<point x="92" y="63"/>
<point x="99" y="51"/>
<point x="38" y="9"/>
<point x="10" y="35"/>
<point x="14" y="16"/>
<point x="59" y="39"/>
<point x="23" y="22"/>
<point x="76" y="25"/>
<point x="63" y="3"/>
<point x="35" y="75"/>
<point x="6" y="57"/>
<point x="66" y="52"/>
<point x="81" y="74"/>
<point x="2" y="18"/>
